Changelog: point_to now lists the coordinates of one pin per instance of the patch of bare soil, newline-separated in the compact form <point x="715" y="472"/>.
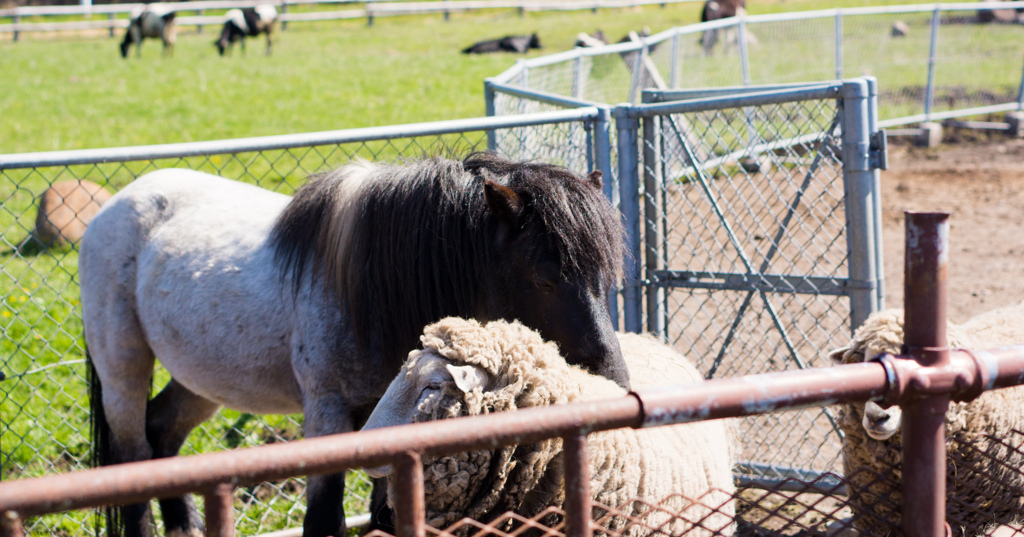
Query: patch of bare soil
<point x="980" y="181"/>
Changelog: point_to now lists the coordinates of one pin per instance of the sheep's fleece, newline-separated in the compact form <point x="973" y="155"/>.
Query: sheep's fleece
<point x="985" y="483"/>
<point x="663" y="465"/>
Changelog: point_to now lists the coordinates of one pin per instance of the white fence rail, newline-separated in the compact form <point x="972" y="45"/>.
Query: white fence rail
<point x="371" y="10"/>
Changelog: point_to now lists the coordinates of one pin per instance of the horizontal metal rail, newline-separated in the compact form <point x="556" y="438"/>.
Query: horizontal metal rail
<point x="760" y="98"/>
<point x="773" y="283"/>
<point x="938" y="116"/>
<point x="286" y="141"/>
<point x="542" y="96"/>
<point x="889" y="380"/>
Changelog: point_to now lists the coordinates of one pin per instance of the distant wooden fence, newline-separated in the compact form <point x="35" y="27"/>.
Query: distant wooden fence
<point x="370" y="11"/>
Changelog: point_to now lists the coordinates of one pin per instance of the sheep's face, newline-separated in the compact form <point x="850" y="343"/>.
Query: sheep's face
<point x="429" y="387"/>
<point x="882" y="333"/>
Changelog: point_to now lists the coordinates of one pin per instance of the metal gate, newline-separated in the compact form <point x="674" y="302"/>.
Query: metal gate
<point x="752" y="214"/>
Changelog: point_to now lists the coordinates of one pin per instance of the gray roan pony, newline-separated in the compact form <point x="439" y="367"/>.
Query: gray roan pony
<point x="269" y="304"/>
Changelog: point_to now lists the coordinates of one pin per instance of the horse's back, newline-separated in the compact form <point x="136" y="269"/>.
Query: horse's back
<point x="184" y="257"/>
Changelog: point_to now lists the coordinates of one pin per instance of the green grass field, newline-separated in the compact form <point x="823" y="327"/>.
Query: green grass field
<point x="62" y="92"/>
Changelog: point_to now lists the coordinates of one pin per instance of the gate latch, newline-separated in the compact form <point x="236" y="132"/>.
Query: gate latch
<point x="878" y="156"/>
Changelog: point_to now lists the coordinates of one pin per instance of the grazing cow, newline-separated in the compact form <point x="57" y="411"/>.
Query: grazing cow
<point x="719" y="9"/>
<point x="152" y="20"/>
<point x="247" y="22"/>
<point x="510" y="43"/>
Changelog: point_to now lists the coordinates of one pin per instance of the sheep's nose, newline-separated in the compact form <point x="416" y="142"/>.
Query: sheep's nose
<point x="879" y="419"/>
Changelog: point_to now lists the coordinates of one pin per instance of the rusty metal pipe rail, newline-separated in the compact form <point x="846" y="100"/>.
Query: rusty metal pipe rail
<point x="889" y="379"/>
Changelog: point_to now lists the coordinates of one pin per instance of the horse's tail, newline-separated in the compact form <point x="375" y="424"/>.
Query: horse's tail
<point x="101" y="451"/>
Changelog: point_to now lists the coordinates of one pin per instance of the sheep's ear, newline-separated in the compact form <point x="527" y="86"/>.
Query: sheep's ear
<point x="837" y="356"/>
<point x="594" y="179"/>
<point x="468" y="377"/>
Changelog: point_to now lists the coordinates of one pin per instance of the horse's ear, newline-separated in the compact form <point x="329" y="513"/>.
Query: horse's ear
<point x="594" y="179"/>
<point x="508" y="206"/>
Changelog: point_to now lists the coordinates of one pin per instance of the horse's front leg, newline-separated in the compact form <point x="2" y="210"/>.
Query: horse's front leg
<point x="325" y="514"/>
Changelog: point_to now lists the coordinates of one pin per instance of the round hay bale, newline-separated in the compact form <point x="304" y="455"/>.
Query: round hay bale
<point x="65" y="209"/>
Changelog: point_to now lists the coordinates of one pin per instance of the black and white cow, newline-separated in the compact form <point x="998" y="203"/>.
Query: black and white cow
<point x="510" y="43"/>
<point x="151" y="20"/>
<point x="247" y="22"/>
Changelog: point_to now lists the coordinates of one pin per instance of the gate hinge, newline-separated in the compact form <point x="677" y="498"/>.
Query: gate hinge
<point x="878" y="156"/>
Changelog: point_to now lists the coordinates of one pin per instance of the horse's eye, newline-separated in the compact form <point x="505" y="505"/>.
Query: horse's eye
<point x="546" y="285"/>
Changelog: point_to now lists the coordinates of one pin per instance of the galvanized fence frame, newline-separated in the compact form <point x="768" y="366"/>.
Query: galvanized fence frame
<point x="680" y="57"/>
<point x="36" y="279"/>
<point x="923" y="380"/>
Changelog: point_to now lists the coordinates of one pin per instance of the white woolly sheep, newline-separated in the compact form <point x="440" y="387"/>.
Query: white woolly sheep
<point x="978" y="465"/>
<point x="466" y="368"/>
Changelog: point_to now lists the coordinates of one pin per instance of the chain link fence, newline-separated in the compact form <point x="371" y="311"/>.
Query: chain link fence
<point x="44" y="399"/>
<point x="933" y="62"/>
<point x="755" y="247"/>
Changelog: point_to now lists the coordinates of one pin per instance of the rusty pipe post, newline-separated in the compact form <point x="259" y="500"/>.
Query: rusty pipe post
<point x="10" y="525"/>
<point x="924" y="417"/>
<point x="409" y="507"/>
<point x="577" y="485"/>
<point x="220" y="510"/>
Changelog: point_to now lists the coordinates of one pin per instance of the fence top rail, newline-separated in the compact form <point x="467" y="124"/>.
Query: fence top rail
<point x="287" y="141"/>
<point x="805" y="92"/>
<point x="542" y="96"/>
<point x="892" y="379"/>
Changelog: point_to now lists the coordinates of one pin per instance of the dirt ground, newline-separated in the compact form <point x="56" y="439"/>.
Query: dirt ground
<point x="980" y="181"/>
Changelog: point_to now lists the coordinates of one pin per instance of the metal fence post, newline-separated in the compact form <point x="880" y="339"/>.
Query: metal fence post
<point x="284" y="11"/>
<point x="653" y="182"/>
<point x="877" y="182"/>
<point x="1020" y="91"/>
<point x="220" y="510"/>
<point x="489" y="95"/>
<point x="859" y="180"/>
<point x="930" y="93"/>
<point x="673" y="71"/>
<point x="603" y="163"/>
<point x="112" y="23"/>
<point x="744" y="54"/>
<point x="10" y="525"/>
<point x="17" y="21"/>
<point x="839" y="44"/>
<point x="923" y="426"/>
<point x="577" y="485"/>
<point x="629" y="203"/>
<point x="410" y="508"/>
<point x="578" y="80"/>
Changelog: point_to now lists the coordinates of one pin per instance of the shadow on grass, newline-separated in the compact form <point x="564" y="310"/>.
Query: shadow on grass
<point x="31" y="246"/>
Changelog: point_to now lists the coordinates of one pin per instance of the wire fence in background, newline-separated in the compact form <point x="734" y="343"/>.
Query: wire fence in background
<point x="44" y="407"/>
<point x="933" y="62"/>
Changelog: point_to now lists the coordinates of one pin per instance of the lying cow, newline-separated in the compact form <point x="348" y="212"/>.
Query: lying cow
<point x="510" y="43"/>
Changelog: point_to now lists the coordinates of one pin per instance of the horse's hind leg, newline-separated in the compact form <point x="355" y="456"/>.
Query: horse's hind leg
<point x="170" y="418"/>
<point x="123" y="370"/>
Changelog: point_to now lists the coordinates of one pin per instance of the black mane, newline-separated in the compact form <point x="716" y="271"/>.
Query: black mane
<point x="421" y="240"/>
